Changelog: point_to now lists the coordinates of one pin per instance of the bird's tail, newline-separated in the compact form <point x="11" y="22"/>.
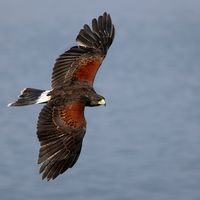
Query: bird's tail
<point x="31" y="96"/>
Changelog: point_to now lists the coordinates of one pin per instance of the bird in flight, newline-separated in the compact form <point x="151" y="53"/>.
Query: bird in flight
<point x="61" y="123"/>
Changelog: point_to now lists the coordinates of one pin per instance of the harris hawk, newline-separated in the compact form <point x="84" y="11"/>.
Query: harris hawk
<point x="61" y="123"/>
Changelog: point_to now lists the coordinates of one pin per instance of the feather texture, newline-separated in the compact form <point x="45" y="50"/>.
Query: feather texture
<point x="60" y="139"/>
<point x="92" y="46"/>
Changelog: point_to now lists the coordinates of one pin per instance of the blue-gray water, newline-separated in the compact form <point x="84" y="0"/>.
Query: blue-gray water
<point x="145" y="143"/>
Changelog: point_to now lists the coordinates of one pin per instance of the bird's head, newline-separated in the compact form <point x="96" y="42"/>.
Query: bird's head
<point x="93" y="99"/>
<point x="96" y="100"/>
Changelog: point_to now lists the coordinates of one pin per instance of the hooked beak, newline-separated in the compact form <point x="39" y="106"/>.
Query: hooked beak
<point x="102" y="102"/>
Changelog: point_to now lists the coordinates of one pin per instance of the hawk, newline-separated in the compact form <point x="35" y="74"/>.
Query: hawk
<point x="61" y="123"/>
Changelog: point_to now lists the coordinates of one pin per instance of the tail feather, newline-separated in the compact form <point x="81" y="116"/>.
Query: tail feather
<point x="31" y="96"/>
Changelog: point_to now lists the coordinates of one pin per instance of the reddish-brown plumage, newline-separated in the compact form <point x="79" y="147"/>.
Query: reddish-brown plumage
<point x="88" y="69"/>
<point x="73" y="115"/>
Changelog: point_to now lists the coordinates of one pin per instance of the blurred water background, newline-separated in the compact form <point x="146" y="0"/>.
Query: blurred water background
<point x="145" y="143"/>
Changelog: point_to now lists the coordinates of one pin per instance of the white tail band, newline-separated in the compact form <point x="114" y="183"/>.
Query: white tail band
<point x="43" y="97"/>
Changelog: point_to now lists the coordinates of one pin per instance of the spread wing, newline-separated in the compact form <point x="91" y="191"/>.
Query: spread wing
<point x="60" y="131"/>
<point x="82" y="62"/>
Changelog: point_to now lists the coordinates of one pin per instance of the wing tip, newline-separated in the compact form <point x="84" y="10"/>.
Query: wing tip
<point x="99" y="35"/>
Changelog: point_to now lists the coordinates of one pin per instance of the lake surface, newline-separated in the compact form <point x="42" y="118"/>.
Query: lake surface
<point x="145" y="143"/>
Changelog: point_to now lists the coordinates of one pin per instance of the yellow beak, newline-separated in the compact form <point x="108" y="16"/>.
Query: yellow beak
<point x="102" y="102"/>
